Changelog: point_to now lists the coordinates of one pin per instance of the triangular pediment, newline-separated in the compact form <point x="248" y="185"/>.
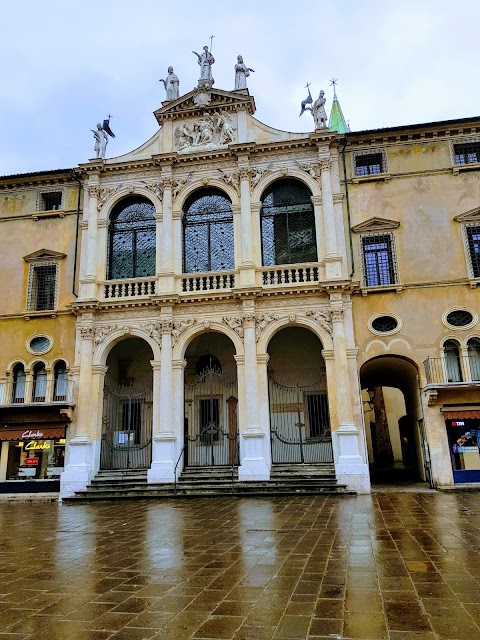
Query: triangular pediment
<point x="469" y="216"/>
<point x="198" y="101"/>
<point x="43" y="255"/>
<point x="375" y="224"/>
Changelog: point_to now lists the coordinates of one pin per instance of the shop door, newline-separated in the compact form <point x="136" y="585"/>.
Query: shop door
<point x="211" y="433"/>
<point x="299" y="424"/>
<point x="127" y="428"/>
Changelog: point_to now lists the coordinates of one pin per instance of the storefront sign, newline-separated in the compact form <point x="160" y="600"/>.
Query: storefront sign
<point x="35" y="446"/>
<point x="32" y="462"/>
<point x="27" y="435"/>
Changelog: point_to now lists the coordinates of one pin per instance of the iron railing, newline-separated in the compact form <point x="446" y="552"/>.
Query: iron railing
<point x="452" y="369"/>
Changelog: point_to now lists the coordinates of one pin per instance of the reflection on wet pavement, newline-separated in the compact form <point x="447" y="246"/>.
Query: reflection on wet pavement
<point x="399" y="566"/>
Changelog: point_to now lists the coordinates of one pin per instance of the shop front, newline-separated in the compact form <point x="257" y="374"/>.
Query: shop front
<point x="32" y="456"/>
<point x="463" y="432"/>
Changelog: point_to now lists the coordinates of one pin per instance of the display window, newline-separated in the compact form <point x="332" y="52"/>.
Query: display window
<point x="35" y="459"/>
<point x="464" y="440"/>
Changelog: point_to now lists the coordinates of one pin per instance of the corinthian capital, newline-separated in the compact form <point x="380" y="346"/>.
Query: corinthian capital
<point x="325" y="164"/>
<point x="337" y="315"/>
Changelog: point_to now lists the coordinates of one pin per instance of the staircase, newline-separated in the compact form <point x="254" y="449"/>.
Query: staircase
<point x="286" y="480"/>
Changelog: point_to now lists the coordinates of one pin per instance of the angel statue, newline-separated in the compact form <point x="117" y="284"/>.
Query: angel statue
<point x="101" y="137"/>
<point x="318" y="110"/>
<point x="205" y="60"/>
<point x="171" y="84"/>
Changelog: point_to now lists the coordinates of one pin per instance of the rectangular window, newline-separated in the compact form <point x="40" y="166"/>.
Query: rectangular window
<point x="369" y="164"/>
<point x="42" y="287"/>
<point x="472" y="233"/>
<point x="50" y="201"/>
<point x="378" y="259"/>
<point x="466" y="153"/>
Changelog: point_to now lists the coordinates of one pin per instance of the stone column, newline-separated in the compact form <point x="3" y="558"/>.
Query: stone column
<point x="247" y="268"/>
<point x="177" y="241"/>
<point x="350" y="466"/>
<point x="237" y="235"/>
<point x="255" y="208"/>
<point x="167" y="279"/>
<point x="319" y="227"/>
<point x="333" y="262"/>
<point x="80" y="451"/>
<point x="263" y="405"/>
<point x="102" y="267"/>
<point x="158" y="243"/>
<point x="89" y="280"/>
<point x="253" y="465"/>
<point x="163" y="442"/>
<point x="178" y="367"/>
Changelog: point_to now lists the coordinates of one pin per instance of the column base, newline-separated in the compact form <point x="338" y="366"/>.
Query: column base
<point x="355" y="476"/>
<point x="254" y="465"/>
<point x="162" y="468"/>
<point x="81" y="466"/>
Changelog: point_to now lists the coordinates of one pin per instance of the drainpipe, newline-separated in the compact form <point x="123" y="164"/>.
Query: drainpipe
<point x="348" y="205"/>
<point x="74" y="175"/>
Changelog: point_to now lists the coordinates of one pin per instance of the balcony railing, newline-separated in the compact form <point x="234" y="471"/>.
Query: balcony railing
<point x="289" y="274"/>
<point x="209" y="281"/>
<point x="129" y="288"/>
<point x="36" y="393"/>
<point x="453" y="370"/>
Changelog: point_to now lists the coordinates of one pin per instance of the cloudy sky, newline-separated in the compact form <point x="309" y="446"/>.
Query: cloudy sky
<point x="66" y="65"/>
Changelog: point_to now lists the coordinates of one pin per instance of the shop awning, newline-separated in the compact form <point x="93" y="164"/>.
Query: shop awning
<point x="461" y="414"/>
<point x="29" y="432"/>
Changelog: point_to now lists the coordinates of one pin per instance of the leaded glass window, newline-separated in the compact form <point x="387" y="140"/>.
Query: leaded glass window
<point x="132" y="239"/>
<point x="288" y="224"/>
<point x="208" y="232"/>
<point x="379" y="265"/>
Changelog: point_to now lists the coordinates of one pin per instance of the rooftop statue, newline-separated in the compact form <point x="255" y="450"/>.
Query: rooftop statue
<point x="317" y="110"/>
<point x="241" y="73"/>
<point x="101" y="137"/>
<point x="171" y="85"/>
<point x="205" y="60"/>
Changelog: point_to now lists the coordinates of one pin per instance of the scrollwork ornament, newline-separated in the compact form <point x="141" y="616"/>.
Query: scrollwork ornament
<point x="235" y="323"/>
<point x="324" y="319"/>
<point x="180" y="326"/>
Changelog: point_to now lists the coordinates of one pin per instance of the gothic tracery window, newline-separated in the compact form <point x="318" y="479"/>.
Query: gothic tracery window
<point x="132" y="239"/>
<point x="288" y="224"/>
<point x="208" y="232"/>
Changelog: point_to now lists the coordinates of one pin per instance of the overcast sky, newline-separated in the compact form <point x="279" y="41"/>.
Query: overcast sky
<point x="66" y="65"/>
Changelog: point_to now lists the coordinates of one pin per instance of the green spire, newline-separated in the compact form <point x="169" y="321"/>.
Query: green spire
<point x="337" y="121"/>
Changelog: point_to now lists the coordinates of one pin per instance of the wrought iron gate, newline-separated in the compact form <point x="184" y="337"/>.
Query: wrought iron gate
<point x="299" y="424"/>
<point x="211" y="432"/>
<point x="127" y="428"/>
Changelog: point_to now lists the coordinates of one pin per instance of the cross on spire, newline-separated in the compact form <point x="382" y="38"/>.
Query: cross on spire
<point x="333" y="83"/>
<point x="211" y="43"/>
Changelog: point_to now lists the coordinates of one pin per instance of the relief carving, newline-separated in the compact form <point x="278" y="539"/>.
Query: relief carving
<point x="234" y="323"/>
<point x="211" y="130"/>
<point x="324" y="319"/>
<point x="87" y="333"/>
<point x="180" y="326"/>
<point x="231" y="178"/>
<point x="263" y="321"/>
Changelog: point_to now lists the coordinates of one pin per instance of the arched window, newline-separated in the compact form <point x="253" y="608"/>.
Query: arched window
<point x="208" y="232"/>
<point x="39" y="390"/>
<point x="18" y="390"/>
<point x="132" y="239"/>
<point x="474" y="357"/>
<point x="453" y="366"/>
<point x="288" y="224"/>
<point x="60" y="381"/>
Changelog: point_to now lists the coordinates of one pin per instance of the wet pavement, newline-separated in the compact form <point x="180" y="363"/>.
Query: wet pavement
<point x="399" y="566"/>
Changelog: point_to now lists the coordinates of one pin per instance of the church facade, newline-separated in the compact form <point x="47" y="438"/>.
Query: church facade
<point x="249" y="297"/>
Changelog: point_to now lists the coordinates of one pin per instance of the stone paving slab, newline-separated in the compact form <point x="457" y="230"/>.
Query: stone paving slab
<point x="391" y="566"/>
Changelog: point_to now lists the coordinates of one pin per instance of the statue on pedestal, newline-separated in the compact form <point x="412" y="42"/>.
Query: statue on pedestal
<point x="171" y="85"/>
<point x="241" y="73"/>
<point x="317" y="110"/>
<point x="101" y="137"/>
<point x="205" y="60"/>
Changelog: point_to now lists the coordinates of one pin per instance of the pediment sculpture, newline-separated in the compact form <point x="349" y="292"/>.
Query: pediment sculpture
<point x="211" y="130"/>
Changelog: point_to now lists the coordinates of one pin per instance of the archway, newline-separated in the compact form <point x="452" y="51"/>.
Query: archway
<point x="211" y="398"/>
<point x="299" y="417"/>
<point x="127" y="407"/>
<point x="393" y="420"/>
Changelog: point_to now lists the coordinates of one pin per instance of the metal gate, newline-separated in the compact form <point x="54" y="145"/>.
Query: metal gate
<point x="127" y="428"/>
<point x="299" y="424"/>
<point x="211" y="432"/>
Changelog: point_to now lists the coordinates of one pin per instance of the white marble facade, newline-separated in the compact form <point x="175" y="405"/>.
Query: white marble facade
<point x="209" y="138"/>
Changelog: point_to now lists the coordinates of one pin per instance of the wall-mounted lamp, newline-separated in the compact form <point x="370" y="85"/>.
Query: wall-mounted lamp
<point x="371" y="396"/>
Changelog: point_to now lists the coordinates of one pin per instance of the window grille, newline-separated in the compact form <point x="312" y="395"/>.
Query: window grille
<point x="51" y="200"/>
<point x="60" y="382"/>
<point x="132" y="239"/>
<point x="378" y="259"/>
<point x="366" y="164"/>
<point x="208" y="232"/>
<point x="466" y="152"/>
<point x="42" y="286"/>
<point x="39" y="390"/>
<point x="19" y="380"/>
<point x="459" y="318"/>
<point x="472" y="236"/>
<point x="384" y="324"/>
<point x="288" y="224"/>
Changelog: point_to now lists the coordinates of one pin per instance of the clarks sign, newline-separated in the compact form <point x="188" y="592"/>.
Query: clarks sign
<point x="29" y="435"/>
